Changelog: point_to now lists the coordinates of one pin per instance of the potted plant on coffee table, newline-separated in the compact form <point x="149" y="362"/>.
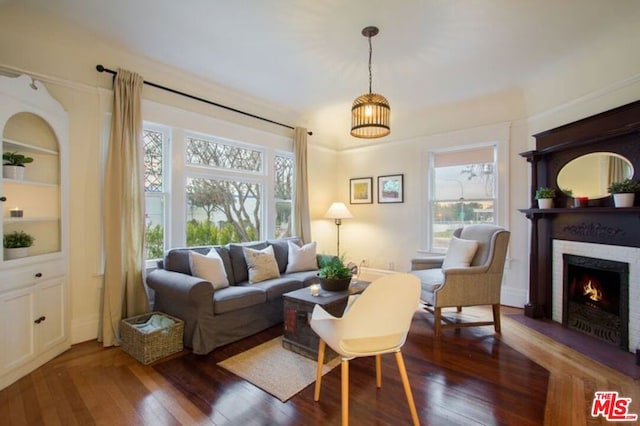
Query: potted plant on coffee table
<point x="545" y="197"/>
<point x="624" y="192"/>
<point x="13" y="165"/>
<point x="334" y="275"/>
<point x="16" y="244"/>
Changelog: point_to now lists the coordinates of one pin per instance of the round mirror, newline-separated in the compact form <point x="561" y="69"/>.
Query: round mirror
<point x="590" y="175"/>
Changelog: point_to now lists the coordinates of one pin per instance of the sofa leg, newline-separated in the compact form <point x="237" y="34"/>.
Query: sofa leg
<point x="437" y="321"/>
<point x="496" y="317"/>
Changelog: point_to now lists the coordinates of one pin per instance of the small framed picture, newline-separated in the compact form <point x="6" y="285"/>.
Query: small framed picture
<point x="361" y="191"/>
<point x="390" y="189"/>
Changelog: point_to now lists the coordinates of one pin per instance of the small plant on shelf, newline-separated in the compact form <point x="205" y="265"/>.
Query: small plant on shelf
<point x="627" y="186"/>
<point x="17" y="239"/>
<point x="543" y="193"/>
<point x="15" y="159"/>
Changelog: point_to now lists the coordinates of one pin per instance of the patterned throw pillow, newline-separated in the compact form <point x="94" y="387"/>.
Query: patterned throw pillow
<point x="261" y="263"/>
<point x="209" y="267"/>
<point x="302" y="258"/>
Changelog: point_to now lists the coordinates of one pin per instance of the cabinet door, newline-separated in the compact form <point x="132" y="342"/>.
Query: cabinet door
<point x="49" y="314"/>
<point x="16" y="319"/>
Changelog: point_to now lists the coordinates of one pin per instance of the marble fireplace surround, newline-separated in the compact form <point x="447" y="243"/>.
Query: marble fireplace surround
<point x="630" y="255"/>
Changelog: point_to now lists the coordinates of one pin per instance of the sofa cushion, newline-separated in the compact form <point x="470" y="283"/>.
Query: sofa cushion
<point x="177" y="259"/>
<point x="238" y="262"/>
<point x="262" y="264"/>
<point x="275" y="288"/>
<point x="209" y="267"/>
<point x="301" y="258"/>
<point x="281" y="250"/>
<point x="460" y="253"/>
<point x="233" y="298"/>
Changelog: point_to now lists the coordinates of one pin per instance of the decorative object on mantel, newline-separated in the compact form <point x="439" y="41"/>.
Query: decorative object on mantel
<point x="334" y="274"/>
<point x="545" y="197"/>
<point x="624" y="192"/>
<point x="370" y="112"/>
<point x="13" y="165"/>
<point x="580" y="201"/>
<point x="16" y="244"/>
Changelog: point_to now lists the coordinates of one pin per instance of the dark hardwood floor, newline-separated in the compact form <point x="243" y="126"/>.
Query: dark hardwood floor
<point x="471" y="376"/>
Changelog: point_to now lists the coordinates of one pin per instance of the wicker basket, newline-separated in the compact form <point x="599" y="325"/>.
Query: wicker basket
<point x="150" y="347"/>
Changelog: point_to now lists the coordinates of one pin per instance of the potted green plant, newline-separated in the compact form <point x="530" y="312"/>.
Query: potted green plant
<point x="13" y="165"/>
<point x="545" y="197"/>
<point x="624" y="192"/>
<point x="334" y="275"/>
<point x="16" y="244"/>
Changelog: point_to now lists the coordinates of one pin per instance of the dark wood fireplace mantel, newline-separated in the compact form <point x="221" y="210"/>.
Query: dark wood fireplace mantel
<point x="617" y="131"/>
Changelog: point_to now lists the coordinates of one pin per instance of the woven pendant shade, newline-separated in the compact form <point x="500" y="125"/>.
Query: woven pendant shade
<point x="370" y="113"/>
<point x="370" y="116"/>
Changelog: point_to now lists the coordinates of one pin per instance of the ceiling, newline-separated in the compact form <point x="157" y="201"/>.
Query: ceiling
<point x="307" y="55"/>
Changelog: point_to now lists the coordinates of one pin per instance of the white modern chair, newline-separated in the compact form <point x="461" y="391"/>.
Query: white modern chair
<point x="374" y="323"/>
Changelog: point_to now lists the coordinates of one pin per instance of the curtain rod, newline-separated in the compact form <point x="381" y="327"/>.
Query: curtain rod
<point x="101" y="68"/>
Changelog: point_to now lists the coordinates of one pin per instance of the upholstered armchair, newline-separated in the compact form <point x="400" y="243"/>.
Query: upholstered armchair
<point x="469" y="274"/>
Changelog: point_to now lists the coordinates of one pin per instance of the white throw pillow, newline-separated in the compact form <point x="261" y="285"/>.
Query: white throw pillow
<point x="460" y="253"/>
<point x="302" y="258"/>
<point x="209" y="267"/>
<point x="261" y="263"/>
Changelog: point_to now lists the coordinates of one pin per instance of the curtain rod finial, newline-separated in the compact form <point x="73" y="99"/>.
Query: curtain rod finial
<point x="100" y="68"/>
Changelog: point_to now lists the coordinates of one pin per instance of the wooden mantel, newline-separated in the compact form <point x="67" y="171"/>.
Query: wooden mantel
<point x="617" y="131"/>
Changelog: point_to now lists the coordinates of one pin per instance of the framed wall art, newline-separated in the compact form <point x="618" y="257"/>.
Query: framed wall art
<point x="390" y="189"/>
<point x="361" y="191"/>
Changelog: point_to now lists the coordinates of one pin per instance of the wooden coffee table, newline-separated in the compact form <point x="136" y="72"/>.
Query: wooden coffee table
<point x="298" y="306"/>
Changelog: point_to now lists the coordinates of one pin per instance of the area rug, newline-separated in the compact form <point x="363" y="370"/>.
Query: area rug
<point x="276" y="370"/>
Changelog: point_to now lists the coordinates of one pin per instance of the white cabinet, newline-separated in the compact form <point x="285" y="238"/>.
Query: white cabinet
<point x="34" y="319"/>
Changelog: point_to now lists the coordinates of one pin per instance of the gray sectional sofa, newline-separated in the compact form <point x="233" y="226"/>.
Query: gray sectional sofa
<point x="213" y="318"/>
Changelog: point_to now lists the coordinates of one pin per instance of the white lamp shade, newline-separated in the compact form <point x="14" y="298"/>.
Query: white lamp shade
<point x="338" y="211"/>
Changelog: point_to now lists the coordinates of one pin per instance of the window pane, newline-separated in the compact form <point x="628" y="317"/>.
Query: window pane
<point x="221" y="211"/>
<point x="154" y="226"/>
<point x="153" y="152"/>
<point x="450" y="215"/>
<point x="283" y="189"/>
<point x="202" y="152"/>
<point x="470" y="181"/>
<point x="463" y="193"/>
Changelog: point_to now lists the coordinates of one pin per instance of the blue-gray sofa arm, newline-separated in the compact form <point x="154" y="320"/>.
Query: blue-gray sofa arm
<point x="183" y="296"/>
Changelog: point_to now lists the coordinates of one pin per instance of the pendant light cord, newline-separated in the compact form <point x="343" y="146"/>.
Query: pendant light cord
<point x="370" y="53"/>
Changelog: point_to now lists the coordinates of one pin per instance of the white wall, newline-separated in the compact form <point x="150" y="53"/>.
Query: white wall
<point x="64" y="58"/>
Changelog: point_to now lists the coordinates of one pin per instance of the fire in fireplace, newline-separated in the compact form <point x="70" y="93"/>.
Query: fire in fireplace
<point x="596" y="300"/>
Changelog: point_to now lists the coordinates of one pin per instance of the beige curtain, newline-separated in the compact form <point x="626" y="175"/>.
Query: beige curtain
<point x="302" y="221"/>
<point x="124" y="294"/>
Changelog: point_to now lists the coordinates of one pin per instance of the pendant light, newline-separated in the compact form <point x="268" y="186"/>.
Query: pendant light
<point x="370" y="112"/>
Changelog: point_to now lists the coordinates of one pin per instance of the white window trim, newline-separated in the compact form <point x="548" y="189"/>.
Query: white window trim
<point x="498" y="135"/>
<point x="183" y="123"/>
<point x="166" y="192"/>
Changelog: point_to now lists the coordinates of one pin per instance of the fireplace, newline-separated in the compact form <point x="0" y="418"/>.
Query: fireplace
<point x="596" y="298"/>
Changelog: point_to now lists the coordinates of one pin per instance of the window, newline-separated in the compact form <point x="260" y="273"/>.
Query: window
<point x="155" y="141"/>
<point x="283" y="194"/>
<point x="463" y="191"/>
